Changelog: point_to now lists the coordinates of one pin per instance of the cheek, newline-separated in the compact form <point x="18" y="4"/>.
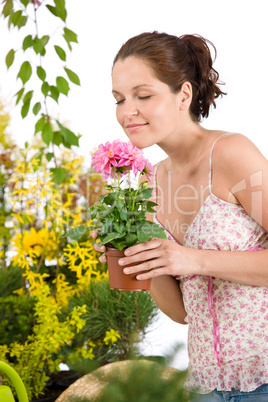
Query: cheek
<point x="119" y="117"/>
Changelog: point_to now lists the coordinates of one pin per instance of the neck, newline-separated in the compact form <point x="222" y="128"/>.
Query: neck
<point x="185" y="146"/>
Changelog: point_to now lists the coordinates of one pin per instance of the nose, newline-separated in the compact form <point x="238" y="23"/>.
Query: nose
<point x="130" y="115"/>
<point x="130" y="110"/>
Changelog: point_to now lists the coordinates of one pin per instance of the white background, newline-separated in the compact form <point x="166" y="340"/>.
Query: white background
<point x="237" y="28"/>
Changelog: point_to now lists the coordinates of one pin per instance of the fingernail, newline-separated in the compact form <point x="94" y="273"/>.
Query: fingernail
<point x="126" y="270"/>
<point x="121" y="261"/>
<point x="127" y="252"/>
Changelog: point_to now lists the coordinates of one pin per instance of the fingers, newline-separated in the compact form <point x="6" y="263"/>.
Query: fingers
<point x="94" y="234"/>
<point x="154" y="264"/>
<point x="99" y="248"/>
<point x="149" y="245"/>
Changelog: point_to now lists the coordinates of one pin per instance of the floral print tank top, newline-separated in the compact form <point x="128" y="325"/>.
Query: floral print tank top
<point x="228" y="322"/>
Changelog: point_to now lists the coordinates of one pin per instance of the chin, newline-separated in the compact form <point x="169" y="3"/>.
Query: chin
<point x="140" y="143"/>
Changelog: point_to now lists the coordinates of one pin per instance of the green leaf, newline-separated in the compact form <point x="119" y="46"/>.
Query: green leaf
<point x="25" y="72"/>
<point x="41" y="73"/>
<point x="145" y="193"/>
<point x="47" y="133"/>
<point x="45" y="88"/>
<point x="40" y="124"/>
<point x="60" y="6"/>
<point x="54" y="93"/>
<point x="10" y="58"/>
<point x="52" y="9"/>
<point x="112" y="236"/>
<point x="19" y="94"/>
<point x="25" y="2"/>
<point x="15" y="17"/>
<point x="60" y="52"/>
<point x="68" y="135"/>
<point x="25" y="108"/>
<point x="44" y="40"/>
<point x="59" y="10"/>
<point x="70" y="36"/>
<point x="131" y="239"/>
<point x="149" y="230"/>
<point x="124" y="215"/>
<point x="28" y="96"/>
<point x="37" y="45"/>
<point x="49" y="156"/>
<point x="149" y="206"/>
<point x="27" y="42"/>
<point x="73" y="77"/>
<point x="76" y="233"/>
<point x="62" y="85"/>
<point x="57" y="138"/>
<point x="59" y="175"/>
<point x="36" y="108"/>
<point x="20" y="20"/>
<point x="8" y="8"/>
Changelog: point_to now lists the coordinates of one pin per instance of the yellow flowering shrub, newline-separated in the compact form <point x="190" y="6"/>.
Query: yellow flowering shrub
<point x="54" y="294"/>
<point x="53" y="270"/>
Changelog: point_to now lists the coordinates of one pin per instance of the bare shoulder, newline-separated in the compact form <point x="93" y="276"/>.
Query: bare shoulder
<point x="237" y="156"/>
<point x="241" y="170"/>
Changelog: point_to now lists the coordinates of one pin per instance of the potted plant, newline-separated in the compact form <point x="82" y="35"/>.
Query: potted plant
<point x="120" y="215"/>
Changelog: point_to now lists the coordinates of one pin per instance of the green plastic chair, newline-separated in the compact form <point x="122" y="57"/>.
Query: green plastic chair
<point x="5" y="392"/>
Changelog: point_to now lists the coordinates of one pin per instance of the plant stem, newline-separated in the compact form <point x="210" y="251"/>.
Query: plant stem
<point x="136" y="192"/>
<point x="114" y="176"/>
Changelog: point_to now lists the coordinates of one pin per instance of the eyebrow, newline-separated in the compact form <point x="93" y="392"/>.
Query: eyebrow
<point x="136" y="87"/>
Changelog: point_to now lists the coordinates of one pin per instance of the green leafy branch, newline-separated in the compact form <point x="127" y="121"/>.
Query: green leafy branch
<point x="20" y="14"/>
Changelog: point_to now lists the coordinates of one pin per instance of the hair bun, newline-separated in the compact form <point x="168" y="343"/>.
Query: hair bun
<point x="206" y="83"/>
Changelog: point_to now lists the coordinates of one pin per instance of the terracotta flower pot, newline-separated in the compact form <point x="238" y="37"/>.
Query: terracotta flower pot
<point x="117" y="278"/>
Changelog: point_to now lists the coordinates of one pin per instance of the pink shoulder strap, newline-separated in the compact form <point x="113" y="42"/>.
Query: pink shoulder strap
<point x="210" y="162"/>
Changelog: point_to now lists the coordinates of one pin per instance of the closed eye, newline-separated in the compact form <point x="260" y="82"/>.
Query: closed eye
<point x="120" y="101"/>
<point x="144" y="97"/>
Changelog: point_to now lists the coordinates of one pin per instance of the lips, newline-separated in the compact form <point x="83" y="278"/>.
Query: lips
<point x="135" y="126"/>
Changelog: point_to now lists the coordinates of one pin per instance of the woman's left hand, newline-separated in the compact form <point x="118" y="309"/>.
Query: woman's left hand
<point x="160" y="257"/>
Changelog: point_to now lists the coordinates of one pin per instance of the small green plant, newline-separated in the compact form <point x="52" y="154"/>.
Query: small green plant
<point x="120" y="216"/>
<point x="127" y="314"/>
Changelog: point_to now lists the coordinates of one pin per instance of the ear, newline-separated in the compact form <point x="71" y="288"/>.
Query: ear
<point x="186" y="94"/>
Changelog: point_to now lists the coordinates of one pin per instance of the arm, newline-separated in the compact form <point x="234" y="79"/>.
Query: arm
<point x="242" y="177"/>
<point x="166" y="293"/>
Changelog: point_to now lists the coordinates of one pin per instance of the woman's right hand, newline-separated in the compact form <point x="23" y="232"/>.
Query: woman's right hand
<point x="100" y="249"/>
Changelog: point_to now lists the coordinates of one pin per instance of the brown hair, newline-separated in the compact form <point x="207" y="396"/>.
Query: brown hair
<point x="176" y="60"/>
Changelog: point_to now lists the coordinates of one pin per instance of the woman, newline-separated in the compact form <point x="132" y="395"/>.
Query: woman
<point x="212" y="271"/>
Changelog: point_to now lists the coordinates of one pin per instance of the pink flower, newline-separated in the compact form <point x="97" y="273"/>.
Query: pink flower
<point x="132" y="157"/>
<point x="105" y="157"/>
<point x="119" y="157"/>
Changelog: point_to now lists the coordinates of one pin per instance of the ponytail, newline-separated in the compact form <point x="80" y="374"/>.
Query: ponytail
<point x="205" y="79"/>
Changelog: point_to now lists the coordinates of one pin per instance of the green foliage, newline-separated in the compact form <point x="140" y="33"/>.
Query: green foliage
<point x="35" y="48"/>
<point x="120" y="218"/>
<point x="35" y="359"/>
<point x="129" y="313"/>
<point x="144" y="383"/>
<point x="17" y="319"/>
<point x="10" y="280"/>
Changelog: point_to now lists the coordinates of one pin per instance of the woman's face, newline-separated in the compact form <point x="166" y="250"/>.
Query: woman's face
<point x="146" y="108"/>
